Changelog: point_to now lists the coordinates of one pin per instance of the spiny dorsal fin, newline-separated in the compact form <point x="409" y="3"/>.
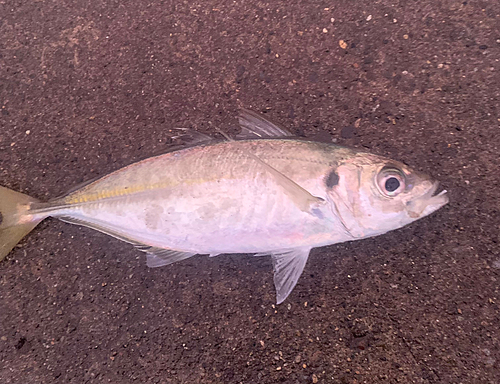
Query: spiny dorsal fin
<point x="254" y="126"/>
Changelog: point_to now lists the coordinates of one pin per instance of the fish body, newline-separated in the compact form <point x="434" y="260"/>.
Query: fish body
<point x="265" y="195"/>
<point x="213" y="199"/>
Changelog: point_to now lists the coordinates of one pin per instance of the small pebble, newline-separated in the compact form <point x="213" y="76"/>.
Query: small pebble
<point x="342" y="44"/>
<point x="314" y="378"/>
<point x="369" y="18"/>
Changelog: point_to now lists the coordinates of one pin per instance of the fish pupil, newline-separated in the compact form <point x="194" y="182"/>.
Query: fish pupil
<point x="392" y="184"/>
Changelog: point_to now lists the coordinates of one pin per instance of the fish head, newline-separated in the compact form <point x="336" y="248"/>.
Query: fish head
<point x="374" y="195"/>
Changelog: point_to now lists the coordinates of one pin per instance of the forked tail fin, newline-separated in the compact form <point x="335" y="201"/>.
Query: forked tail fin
<point x="14" y="225"/>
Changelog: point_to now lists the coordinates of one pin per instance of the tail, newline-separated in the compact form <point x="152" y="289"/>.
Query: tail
<point x="15" y="223"/>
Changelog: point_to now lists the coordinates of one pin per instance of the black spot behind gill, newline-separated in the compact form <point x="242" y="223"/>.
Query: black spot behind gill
<point x="1" y="218"/>
<point x="332" y="180"/>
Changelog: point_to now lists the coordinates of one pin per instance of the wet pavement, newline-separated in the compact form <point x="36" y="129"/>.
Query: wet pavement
<point x="88" y="87"/>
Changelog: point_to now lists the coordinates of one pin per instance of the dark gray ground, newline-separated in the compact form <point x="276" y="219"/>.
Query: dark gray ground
<point x="89" y="86"/>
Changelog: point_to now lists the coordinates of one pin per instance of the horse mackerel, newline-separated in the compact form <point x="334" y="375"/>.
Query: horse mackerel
<point x="265" y="193"/>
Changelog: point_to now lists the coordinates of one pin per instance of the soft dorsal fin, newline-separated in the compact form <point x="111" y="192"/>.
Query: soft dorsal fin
<point x="288" y="266"/>
<point x="254" y="126"/>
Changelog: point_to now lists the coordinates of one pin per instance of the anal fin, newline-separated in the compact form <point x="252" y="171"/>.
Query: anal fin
<point x="158" y="257"/>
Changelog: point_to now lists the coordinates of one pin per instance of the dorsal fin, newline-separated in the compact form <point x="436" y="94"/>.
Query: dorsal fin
<point x="254" y="126"/>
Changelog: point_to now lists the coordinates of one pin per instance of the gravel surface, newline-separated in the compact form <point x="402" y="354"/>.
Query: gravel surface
<point x="89" y="86"/>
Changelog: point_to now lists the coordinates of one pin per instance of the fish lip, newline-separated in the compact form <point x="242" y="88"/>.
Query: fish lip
<point x="440" y="199"/>
<point x="428" y="202"/>
<point x="431" y="193"/>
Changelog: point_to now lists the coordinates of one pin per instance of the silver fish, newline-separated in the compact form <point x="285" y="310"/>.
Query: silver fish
<point x="264" y="193"/>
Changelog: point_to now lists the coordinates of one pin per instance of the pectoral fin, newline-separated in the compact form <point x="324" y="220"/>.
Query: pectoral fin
<point x="288" y="266"/>
<point x="253" y="126"/>
<point x="300" y="196"/>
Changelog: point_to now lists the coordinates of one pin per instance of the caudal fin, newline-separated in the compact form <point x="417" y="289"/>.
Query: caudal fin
<point x="13" y="224"/>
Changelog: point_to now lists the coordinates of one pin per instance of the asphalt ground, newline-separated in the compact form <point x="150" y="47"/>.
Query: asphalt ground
<point x="87" y="87"/>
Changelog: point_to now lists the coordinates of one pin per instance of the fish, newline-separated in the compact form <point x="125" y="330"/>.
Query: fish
<point x="265" y="192"/>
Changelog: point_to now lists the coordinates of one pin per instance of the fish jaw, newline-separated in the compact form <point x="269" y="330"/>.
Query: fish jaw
<point x="428" y="202"/>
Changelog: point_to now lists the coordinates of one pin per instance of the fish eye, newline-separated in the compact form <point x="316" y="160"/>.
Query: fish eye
<point x="391" y="182"/>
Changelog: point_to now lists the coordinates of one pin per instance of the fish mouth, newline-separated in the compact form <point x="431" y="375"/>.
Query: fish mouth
<point x="428" y="202"/>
